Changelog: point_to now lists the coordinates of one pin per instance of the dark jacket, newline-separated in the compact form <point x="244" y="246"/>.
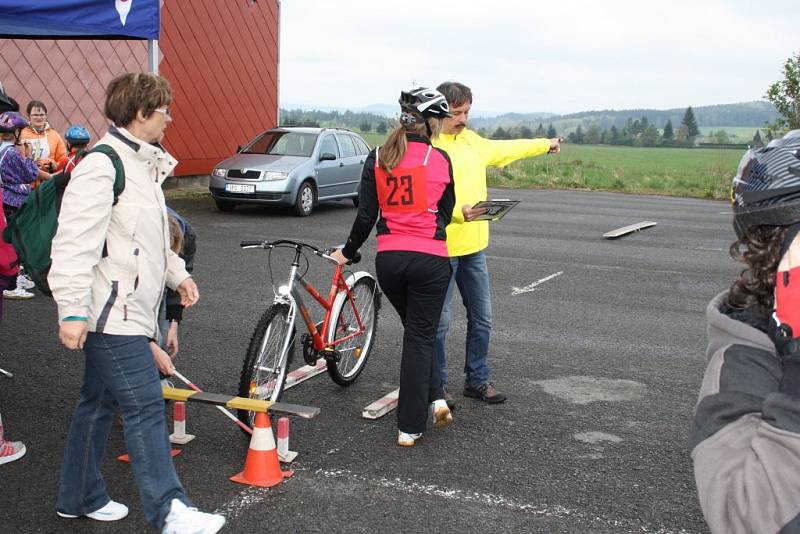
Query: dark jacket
<point x="745" y="437"/>
<point x="174" y="307"/>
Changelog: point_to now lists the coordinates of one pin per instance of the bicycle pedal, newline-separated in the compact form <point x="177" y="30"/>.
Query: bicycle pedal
<point x="309" y="354"/>
<point x="331" y="355"/>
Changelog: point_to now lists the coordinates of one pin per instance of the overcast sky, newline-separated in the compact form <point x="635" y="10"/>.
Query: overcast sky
<point x="525" y="56"/>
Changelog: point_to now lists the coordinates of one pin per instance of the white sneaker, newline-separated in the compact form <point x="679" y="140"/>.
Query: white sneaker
<point x="440" y="413"/>
<point x="405" y="439"/>
<point x="113" y="511"/>
<point x="17" y="294"/>
<point x="185" y="520"/>
<point x="24" y="281"/>
<point x="11" y="450"/>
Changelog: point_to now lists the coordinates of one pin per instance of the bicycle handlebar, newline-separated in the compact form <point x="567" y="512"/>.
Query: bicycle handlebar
<point x="316" y="250"/>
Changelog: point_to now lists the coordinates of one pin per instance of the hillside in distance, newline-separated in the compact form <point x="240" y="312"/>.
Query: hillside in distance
<point x="746" y="114"/>
<point x="754" y="114"/>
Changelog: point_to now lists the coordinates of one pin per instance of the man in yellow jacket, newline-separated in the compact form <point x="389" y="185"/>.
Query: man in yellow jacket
<point x="470" y="154"/>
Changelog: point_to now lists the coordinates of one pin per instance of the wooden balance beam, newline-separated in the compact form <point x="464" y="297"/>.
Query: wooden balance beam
<point x="239" y="403"/>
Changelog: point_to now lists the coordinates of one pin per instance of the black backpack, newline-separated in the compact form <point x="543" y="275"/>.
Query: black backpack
<point x="32" y="228"/>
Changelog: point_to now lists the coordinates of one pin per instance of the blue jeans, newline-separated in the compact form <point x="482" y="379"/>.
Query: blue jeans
<point x="119" y="373"/>
<point x="471" y="276"/>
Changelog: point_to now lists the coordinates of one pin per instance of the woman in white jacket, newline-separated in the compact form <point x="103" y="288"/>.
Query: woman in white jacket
<point x="111" y="262"/>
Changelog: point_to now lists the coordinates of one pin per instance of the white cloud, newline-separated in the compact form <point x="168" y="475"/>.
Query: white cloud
<point x="522" y="56"/>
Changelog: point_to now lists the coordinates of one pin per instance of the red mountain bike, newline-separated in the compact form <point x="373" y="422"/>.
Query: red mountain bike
<point x="344" y="337"/>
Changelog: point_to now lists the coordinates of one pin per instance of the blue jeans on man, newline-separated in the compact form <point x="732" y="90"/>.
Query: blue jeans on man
<point x="471" y="275"/>
<point x="119" y="374"/>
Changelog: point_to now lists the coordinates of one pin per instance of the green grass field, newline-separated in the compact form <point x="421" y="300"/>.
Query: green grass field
<point x="373" y="139"/>
<point x="685" y="172"/>
<point x="738" y="134"/>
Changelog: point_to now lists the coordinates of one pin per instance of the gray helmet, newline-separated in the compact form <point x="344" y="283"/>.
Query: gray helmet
<point x="766" y="188"/>
<point x="424" y="101"/>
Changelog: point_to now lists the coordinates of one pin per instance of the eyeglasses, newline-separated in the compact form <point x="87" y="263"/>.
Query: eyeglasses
<point x="165" y="111"/>
<point x="38" y="114"/>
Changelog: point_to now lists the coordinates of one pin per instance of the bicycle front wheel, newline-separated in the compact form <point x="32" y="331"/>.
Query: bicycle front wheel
<point x="264" y="370"/>
<point x="353" y="352"/>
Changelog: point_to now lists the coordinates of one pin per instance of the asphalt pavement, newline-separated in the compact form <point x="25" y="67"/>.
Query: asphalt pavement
<point x="599" y="345"/>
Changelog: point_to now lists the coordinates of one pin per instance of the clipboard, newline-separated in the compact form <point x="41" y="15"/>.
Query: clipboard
<point x="496" y="208"/>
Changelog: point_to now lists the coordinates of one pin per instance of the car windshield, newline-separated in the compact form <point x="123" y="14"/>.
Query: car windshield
<point x="282" y="144"/>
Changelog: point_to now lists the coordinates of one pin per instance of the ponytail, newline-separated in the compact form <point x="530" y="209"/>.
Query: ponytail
<point x="396" y="144"/>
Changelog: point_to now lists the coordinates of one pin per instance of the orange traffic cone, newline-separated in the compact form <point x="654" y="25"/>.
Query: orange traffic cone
<point x="261" y="467"/>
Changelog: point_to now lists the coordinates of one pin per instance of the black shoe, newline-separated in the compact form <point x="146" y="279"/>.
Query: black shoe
<point x="451" y="402"/>
<point x="484" y="392"/>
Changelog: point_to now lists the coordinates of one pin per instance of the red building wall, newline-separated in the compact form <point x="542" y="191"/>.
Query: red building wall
<point x="221" y="58"/>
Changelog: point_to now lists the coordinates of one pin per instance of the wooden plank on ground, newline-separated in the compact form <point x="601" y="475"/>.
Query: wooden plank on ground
<point x="382" y="406"/>
<point x="304" y="373"/>
<point x="612" y="234"/>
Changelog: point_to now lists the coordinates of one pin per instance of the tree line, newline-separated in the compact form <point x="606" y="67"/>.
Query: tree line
<point x="363" y="121"/>
<point x="743" y="114"/>
<point x="634" y="132"/>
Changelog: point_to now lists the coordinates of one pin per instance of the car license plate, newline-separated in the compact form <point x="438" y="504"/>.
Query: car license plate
<point x="240" y="188"/>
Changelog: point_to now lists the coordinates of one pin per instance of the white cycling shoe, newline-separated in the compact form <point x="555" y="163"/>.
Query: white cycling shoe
<point x="441" y="414"/>
<point x="113" y="511"/>
<point x="184" y="519"/>
<point x="404" y="439"/>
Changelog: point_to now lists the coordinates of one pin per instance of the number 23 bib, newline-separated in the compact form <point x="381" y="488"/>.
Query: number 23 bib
<point x="404" y="190"/>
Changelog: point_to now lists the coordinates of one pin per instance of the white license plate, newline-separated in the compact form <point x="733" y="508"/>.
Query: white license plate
<point x="240" y="188"/>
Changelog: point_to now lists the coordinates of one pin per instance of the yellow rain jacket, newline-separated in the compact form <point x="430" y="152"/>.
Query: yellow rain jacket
<point x="470" y="154"/>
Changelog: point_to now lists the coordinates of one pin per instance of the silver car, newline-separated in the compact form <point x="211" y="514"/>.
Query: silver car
<point x="292" y="166"/>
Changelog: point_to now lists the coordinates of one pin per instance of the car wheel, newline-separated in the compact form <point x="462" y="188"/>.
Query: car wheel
<point x="304" y="204"/>
<point x="355" y="200"/>
<point x="225" y="206"/>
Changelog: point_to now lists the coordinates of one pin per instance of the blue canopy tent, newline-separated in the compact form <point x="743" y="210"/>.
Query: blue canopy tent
<point x="84" y="19"/>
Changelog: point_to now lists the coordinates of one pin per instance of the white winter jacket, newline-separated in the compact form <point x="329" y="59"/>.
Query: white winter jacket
<point x="110" y="264"/>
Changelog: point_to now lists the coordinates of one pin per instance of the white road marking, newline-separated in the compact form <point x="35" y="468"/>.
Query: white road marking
<point x="246" y="498"/>
<point x="252" y="496"/>
<point x="531" y="287"/>
<point x="596" y="436"/>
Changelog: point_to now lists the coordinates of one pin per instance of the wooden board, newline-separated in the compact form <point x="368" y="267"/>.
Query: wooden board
<point x="232" y="402"/>
<point x="612" y="234"/>
<point x="382" y="406"/>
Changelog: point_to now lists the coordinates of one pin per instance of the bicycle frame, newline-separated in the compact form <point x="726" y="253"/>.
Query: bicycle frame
<point x="290" y="294"/>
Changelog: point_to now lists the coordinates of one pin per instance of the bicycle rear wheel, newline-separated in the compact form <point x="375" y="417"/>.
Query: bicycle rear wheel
<point x="352" y="354"/>
<point x="264" y="370"/>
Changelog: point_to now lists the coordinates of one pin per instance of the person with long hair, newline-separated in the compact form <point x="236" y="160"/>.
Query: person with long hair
<point x="111" y="261"/>
<point x="407" y="188"/>
<point x="745" y="436"/>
